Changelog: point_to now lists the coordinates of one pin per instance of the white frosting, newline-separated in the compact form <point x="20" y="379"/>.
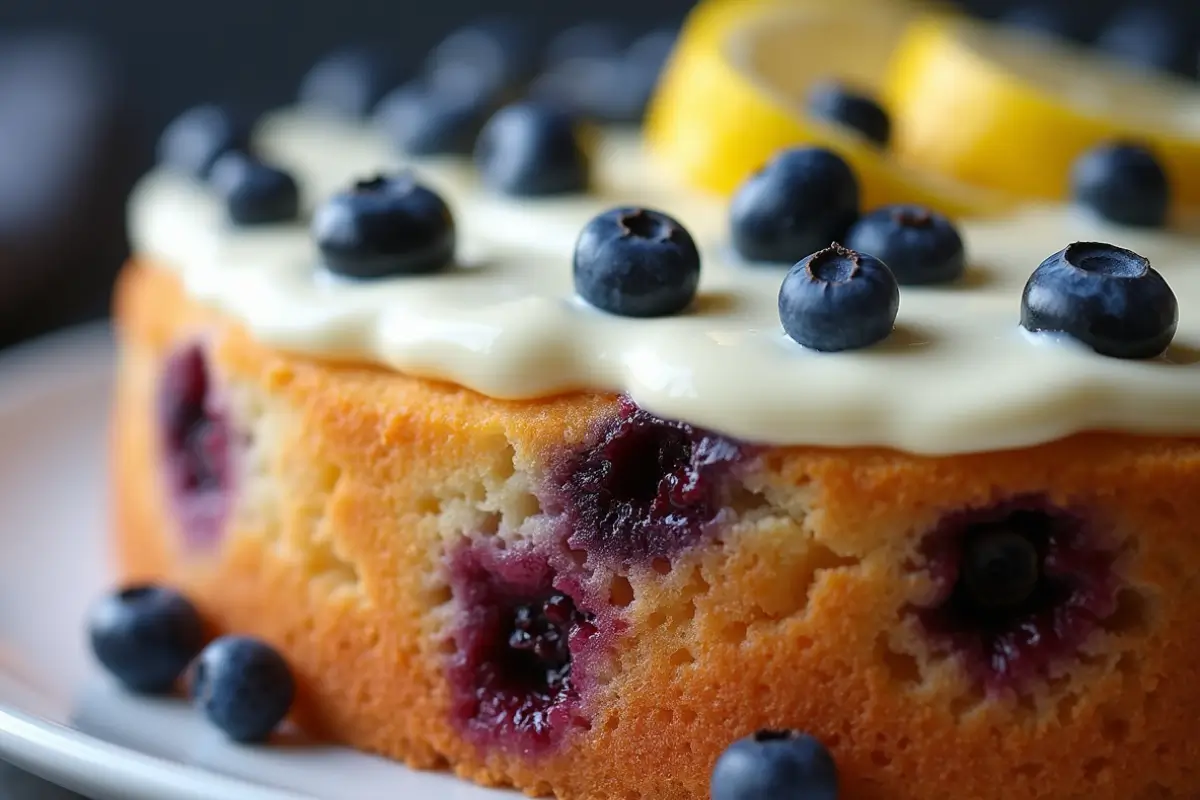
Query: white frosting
<point x="958" y="374"/>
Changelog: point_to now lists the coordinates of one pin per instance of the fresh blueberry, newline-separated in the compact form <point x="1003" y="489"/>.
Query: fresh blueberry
<point x="194" y="140"/>
<point x="255" y="193"/>
<point x="532" y="149"/>
<point x="347" y="82"/>
<point x="145" y="636"/>
<point x="652" y="49"/>
<point x="837" y="299"/>
<point x="918" y="245"/>
<point x="493" y="57"/>
<point x="1150" y="35"/>
<point x="388" y="225"/>
<point x="424" y="122"/>
<point x="243" y="686"/>
<point x="594" y="39"/>
<point x="1123" y="183"/>
<point x="775" y="765"/>
<point x="1104" y="296"/>
<point x="800" y="202"/>
<point x="636" y="263"/>
<point x="837" y="103"/>
<point x="1000" y="569"/>
<point x="1049" y="19"/>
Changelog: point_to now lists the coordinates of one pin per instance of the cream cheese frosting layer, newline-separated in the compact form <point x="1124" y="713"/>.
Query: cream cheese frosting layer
<point x="957" y="375"/>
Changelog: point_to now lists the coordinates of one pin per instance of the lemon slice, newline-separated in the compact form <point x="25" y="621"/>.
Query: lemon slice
<point x="1013" y="112"/>
<point x="733" y="92"/>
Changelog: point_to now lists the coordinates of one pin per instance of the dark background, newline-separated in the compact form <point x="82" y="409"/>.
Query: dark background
<point x="127" y="66"/>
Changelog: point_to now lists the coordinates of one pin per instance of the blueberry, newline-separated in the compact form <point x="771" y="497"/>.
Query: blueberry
<point x="600" y="89"/>
<point x="1151" y="36"/>
<point x="243" y="686"/>
<point x="593" y="39"/>
<point x="800" y="202"/>
<point x="1000" y="569"/>
<point x="493" y="57"/>
<point x="775" y="765"/>
<point x="255" y="193"/>
<point x="1123" y="183"/>
<point x="837" y="299"/>
<point x="347" y="82"/>
<point x="636" y="263"/>
<point x="918" y="245"/>
<point x="194" y="140"/>
<point x="145" y="636"/>
<point x="1104" y="296"/>
<point x="424" y="122"/>
<point x="531" y="149"/>
<point x="837" y="103"/>
<point x="388" y="225"/>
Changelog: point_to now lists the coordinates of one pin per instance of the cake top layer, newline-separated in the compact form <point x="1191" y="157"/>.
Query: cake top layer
<point x="957" y="374"/>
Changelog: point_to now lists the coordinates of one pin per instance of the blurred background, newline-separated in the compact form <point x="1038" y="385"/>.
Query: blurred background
<point x="86" y="86"/>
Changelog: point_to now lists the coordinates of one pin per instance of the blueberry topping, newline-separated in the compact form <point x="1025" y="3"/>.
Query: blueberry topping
<point x="194" y="140"/>
<point x="1000" y="568"/>
<point x="834" y="102"/>
<point x="918" y="245"/>
<point x="493" y="58"/>
<point x="1150" y="35"/>
<point x="424" y="122"/>
<point x="255" y="193"/>
<point x="779" y="765"/>
<point x="243" y="686"/>
<point x="837" y="299"/>
<point x="347" y="83"/>
<point x="531" y="150"/>
<point x="636" y="263"/>
<point x="1104" y="296"/>
<point x="388" y="225"/>
<point x="800" y="202"/>
<point x="594" y="39"/>
<point x="1123" y="183"/>
<point x="145" y="636"/>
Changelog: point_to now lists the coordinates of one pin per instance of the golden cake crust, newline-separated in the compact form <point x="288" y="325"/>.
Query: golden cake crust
<point x="798" y="615"/>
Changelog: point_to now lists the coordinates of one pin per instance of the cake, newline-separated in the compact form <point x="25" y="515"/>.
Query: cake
<point x="495" y="529"/>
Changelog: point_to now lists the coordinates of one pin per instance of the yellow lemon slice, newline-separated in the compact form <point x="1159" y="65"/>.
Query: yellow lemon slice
<point x="1010" y="111"/>
<point x="733" y="92"/>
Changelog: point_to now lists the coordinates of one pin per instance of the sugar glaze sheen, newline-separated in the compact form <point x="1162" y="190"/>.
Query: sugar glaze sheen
<point x="957" y="374"/>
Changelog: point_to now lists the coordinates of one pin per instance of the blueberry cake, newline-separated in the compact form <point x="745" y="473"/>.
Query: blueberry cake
<point x="542" y="468"/>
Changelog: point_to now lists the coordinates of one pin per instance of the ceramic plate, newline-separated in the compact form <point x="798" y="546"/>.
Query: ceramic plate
<point x="59" y="716"/>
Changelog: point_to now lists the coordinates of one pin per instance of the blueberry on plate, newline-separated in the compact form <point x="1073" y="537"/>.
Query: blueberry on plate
<point x="145" y="636"/>
<point x="424" y="122"/>
<point x="347" y="82"/>
<point x="1123" y="183"/>
<point x="1104" y="296"/>
<point x="1151" y="35"/>
<point x="532" y="150"/>
<point x="193" y="141"/>
<point x="635" y="262"/>
<point x="255" y="193"/>
<point x="842" y="105"/>
<point x="920" y="246"/>
<point x="387" y="225"/>
<point x="493" y="57"/>
<point x="837" y="299"/>
<point x="800" y="202"/>
<point x="775" y="765"/>
<point x="243" y="686"/>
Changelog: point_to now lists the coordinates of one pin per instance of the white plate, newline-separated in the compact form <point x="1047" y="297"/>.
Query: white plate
<point x="59" y="716"/>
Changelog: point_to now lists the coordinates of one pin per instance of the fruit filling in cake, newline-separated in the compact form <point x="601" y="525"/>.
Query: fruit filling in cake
<point x="812" y="442"/>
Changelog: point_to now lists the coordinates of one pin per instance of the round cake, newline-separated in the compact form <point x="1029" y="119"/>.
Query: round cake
<point x="504" y="518"/>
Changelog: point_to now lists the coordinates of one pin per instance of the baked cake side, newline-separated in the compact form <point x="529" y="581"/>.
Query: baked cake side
<point x="432" y="564"/>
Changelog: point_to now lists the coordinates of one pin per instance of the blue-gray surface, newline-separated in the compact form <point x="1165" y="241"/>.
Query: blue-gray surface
<point x="16" y="784"/>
